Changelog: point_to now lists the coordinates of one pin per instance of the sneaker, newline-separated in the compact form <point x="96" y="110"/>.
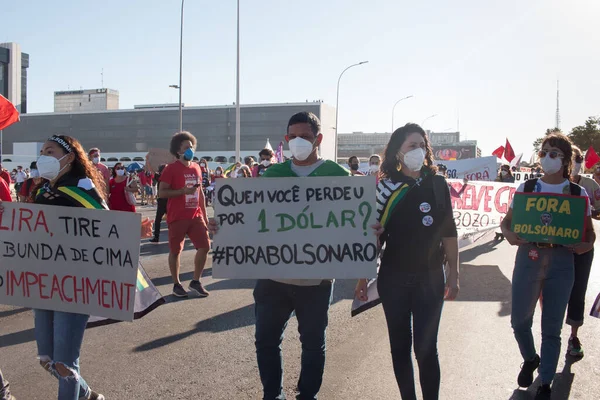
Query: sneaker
<point x="93" y="396"/>
<point x="544" y="393"/>
<point x="575" y="348"/>
<point x="179" y="291"/>
<point x="197" y="287"/>
<point x="526" y="375"/>
<point x="155" y="240"/>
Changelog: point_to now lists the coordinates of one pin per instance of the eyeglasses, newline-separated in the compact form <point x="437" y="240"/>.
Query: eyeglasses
<point x="553" y="154"/>
<point x="119" y="168"/>
<point x="579" y="159"/>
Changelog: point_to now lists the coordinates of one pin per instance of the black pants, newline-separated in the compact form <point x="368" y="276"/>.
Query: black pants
<point x="404" y="296"/>
<point x="576" y="309"/>
<point x="161" y="210"/>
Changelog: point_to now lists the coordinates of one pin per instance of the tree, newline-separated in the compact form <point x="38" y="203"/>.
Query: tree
<point x="584" y="136"/>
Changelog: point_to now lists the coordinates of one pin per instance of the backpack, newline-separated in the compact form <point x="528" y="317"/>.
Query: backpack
<point x="529" y="187"/>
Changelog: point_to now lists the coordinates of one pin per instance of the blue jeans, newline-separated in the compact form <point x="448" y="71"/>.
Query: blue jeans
<point x="550" y="273"/>
<point x="59" y="336"/>
<point x="419" y="297"/>
<point x="275" y="303"/>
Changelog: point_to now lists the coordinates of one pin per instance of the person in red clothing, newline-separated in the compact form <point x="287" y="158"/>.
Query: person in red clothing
<point x="181" y="183"/>
<point x="4" y="191"/>
<point x="94" y="155"/>
<point x="27" y="192"/>
<point x="117" y="188"/>
<point x="4" y="174"/>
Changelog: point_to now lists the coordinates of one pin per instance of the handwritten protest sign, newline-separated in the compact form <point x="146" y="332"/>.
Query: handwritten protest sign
<point x="474" y="169"/>
<point x="156" y="157"/>
<point x="480" y="208"/>
<point x="69" y="259"/>
<point x="524" y="176"/>
<point x="295" y="228"/>
<point x="549" y="218"/>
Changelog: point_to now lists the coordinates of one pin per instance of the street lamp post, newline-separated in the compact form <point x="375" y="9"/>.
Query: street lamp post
<point x="181" y="69"/>
<point x="337" y="101"/>
<point x="431" y="116"/>
<point x="237" y="91"/>
<point x="394" y="109"/>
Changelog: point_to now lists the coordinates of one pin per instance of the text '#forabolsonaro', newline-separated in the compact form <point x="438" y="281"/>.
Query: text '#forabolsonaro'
<point x="308" y="254"/>
<point x="68" y="288"/>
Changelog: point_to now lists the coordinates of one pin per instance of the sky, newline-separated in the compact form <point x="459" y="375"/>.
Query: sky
<point x="488" y="68"/>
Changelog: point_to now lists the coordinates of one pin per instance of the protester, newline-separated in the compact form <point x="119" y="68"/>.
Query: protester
<point x="119" y="185"/>
<point x="94" y="156"/>
<point x="4" y="385"/>
<point x="146" y="179"/>
<point x="27" y="193"/>
<point x="354" y="165"/>
<point x="418" y="230"/>
<point x="544" y="269"/>
<point x="161" y="208"/>
<point x="218" y="174"/>
<point x="505" y="175"/>
<point x="5" y="191"/>
<point x="244" y="172"/>
<point x="267" y="159"/>
<point x="249" y="161"/>
<point x="72" y="180"/>
<point x="20" y="178"/>
<point x="181" y="183"/>
<point x="583" y="262"/>
<point x="5" y="175"/>
<point x="234" y="172"/>
<point x="596" y="175"/>
<point x="276" y="300"/>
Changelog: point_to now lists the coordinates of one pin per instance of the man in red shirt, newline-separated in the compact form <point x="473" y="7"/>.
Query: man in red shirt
<point x="94" y="155"/>
<point x="181" y="183"/>
<point x="4" y="191"/>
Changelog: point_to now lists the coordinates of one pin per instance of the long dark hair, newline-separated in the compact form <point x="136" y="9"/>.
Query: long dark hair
<point x="389" y="166"/>
<point x="565" y="145"/>
<point x="82" y="166"/>
<point x="114" y="171"/>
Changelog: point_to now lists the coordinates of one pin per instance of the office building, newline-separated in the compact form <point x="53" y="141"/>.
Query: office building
<point x="86" y="100"/>
<point x="13" y="75"/>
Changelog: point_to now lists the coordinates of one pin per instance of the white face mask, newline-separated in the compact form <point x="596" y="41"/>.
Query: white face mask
<point x="34" y="173"/>
<point x="373" y="168"/>
<point x="576" y="169"/>
<point x="218" y="173"/>
<point x="301" y="148"/>
<point x="203" y="165"/>
<point x="551" y="165"/>
<point x="414" y="159"/>
<point x="49" y="167"/>
<point x="96" y="160"/>
<point x="265" y="163"/>
<point x="503" y="173"/>
<point x="120" y="172"/>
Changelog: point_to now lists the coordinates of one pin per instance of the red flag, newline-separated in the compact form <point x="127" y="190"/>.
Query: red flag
<point x="509" y="153"/>
<point x="591" y="158"/>
<point x="8" y="113"/>
<point x="499" y="152"/>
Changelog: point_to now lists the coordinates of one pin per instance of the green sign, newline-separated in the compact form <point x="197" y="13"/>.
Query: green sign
<point x="548" y="218"/>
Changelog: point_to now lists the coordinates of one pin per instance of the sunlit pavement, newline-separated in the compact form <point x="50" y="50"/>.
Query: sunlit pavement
<point x="204" y="348"/>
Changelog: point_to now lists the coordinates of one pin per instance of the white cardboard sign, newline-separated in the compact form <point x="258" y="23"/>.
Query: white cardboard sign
<point x="474" y="169"/>
<point x="69" y="259"/>
<point x="295" y="228"/>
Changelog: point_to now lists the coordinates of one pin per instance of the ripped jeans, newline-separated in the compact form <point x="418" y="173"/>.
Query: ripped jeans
<point x="59" y="336"/>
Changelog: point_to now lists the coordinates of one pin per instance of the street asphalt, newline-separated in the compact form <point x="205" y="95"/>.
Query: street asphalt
<point x="204" y="348"/>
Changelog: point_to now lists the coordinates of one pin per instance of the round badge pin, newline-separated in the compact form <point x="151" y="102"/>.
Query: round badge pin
<point x="427" y="220"/>
<point x="534" y="255"/>
<point x="425" y="207"/>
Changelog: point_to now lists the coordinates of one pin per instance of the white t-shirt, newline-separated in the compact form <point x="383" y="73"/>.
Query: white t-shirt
<point x="560" y="188"/>
<point x="20" y="177"/>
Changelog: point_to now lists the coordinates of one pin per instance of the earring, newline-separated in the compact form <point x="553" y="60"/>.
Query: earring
<point x="399" y="167"/>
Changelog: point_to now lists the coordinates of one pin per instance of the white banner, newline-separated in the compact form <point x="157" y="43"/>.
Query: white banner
<point x="295" y="228"/>
<point x="474" y="169"/>
<point x="478" y="209"/>
<point x="69" y="259"/>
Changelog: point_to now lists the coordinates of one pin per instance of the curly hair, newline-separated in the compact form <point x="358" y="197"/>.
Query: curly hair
<point x="389" y="166"/>
<point x="81" y="165"/>
<point x="564" y="144"/>
<point x="179" y="138"/>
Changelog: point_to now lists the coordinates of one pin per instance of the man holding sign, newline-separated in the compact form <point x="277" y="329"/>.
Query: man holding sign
<point x="277" y="299"/>
<point x="548" y="226"/>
